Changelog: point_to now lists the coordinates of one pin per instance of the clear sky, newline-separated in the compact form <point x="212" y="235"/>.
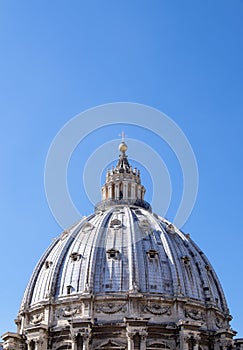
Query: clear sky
<point x="60" y="58"/>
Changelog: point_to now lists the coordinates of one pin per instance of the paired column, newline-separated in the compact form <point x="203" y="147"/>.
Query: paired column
<point x="84" y="335"/>
<point x="189" y="340"/>
<point x="142" y="332"/>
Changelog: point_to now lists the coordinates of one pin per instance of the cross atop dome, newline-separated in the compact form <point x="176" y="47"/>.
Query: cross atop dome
<point x="123" y="164"/>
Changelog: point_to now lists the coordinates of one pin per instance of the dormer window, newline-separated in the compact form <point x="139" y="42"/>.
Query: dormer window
<point x="112" y="253"/>
<point x="152" y="253"/>
<point x="48" y="264"/>
<point x="75" y="257"/>
<point x="207" y="267"/>
<point x="186" y="259"/>
<point x="116" y="224"/>
<point x="170" y="228"/>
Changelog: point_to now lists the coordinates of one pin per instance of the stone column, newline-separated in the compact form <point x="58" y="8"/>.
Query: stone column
<point x="225" y="343"/>
<point x="86" y="342"/>
<point x="130" y="343"/>
<point x="109" y="192"/>
<point x="143" y="335"/>
<point x="103" y="193"/>
<point x="31" y="345"/>
<point x="125" y="190"/>
<point x="38" y="344"/>
<point x="116" y="191"/>
<point x="183" y="342"/>
<point x="133" y="191"/>
<point x="74" y="342"/>
<point x="85" y="334"/>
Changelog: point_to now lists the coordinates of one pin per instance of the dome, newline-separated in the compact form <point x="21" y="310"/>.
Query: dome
<point x="125" y="249"/>
<point x="123" y="278"/>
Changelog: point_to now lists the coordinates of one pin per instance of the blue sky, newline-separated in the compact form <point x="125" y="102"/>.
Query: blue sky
<point x="60" y="58"/>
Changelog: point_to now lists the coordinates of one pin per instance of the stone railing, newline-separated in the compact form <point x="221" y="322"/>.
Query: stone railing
<point x="106" y="203"/>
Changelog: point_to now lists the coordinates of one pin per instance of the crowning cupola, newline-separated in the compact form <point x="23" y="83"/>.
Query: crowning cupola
<point x="123" y="278"/>
<point x="123" y="183"/>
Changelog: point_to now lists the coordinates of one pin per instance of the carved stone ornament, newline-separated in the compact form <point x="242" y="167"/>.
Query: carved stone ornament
<point x="191" y="340"/>
<point x="158" y="309"/>
<point x="68" y="311"/>
<point x="64" y="235"/>
<point x="87" y="227"/>
<point x="111" y="308"/>
<point x="37" y="318"/>
<point x="194" y="314"/>
<point x="144" y="224"/>
<point x="85" y="332"/>
<point x="218" y="323"/>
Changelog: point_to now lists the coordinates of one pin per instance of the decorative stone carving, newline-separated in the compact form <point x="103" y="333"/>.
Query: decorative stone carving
<point x="85" y="333"/>
<point x="64" y="235"/>
<point x="170" y="228"/>
<point x="143" y="333"/>
<point x="37" y="318"/>
<point x="87" y="227"/>
<point x="68" y="311"/>
<point x="135" y="288"/>
<point x="157" y="309"/>
<point x="144" y="224"/>
<point x="111" y="308"/>
<point x="190" y="339"/>
<point x="225" y="343"/>
<point x="195" y="314"/>
<point x="218" y="322"/>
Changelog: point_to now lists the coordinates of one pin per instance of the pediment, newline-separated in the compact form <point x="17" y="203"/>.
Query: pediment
<point x="111" y="344"/>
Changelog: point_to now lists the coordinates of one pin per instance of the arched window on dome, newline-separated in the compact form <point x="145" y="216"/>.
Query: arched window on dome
<point x="115" y="223"/>
<point x="152" y="253"/>
<point x="112" y="253"/>
<point x="48" y="264"/>
<point x="75" y="256"/>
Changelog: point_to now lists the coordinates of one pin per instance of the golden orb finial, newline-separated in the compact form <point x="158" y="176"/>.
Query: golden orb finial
<point x="122" y="147"/>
